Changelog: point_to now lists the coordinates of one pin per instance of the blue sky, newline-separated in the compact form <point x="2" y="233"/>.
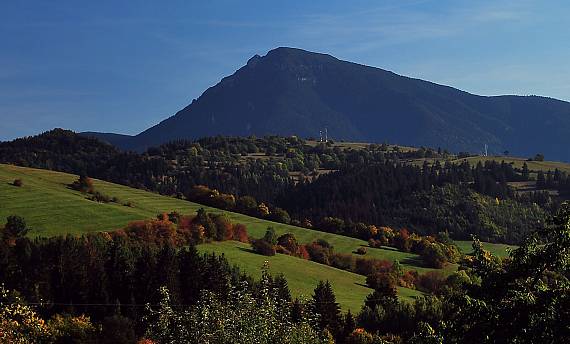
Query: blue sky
<point x="122" y="66"/>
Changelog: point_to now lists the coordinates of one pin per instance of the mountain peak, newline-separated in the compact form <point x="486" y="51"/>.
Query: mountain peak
<point x="288" y="52"/>
<point x="291" y="91"/>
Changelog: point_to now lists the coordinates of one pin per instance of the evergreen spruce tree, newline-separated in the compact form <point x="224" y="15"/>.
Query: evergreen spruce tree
<point x="525" y="172"/>
<point x="349" y="325"/>
<point x="324" y="303"/>
<point x="540" y="180"/>
<point x="281" y="289"/>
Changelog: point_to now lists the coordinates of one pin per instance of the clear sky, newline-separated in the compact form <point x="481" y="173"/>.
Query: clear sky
<point x="122" y="66"/>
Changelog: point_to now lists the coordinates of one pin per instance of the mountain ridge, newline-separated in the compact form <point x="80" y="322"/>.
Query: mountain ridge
<point x="290" y="91"/>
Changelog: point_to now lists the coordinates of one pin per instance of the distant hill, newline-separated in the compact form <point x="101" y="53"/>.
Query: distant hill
<point x="296" y="92"/>
<point x="118" y="140"/>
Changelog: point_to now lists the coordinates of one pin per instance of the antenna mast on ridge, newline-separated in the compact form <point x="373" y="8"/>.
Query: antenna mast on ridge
<point x="326" y="135"/>
<point x="486" y="147"/>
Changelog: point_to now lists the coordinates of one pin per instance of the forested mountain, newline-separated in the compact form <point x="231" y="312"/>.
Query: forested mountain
<point x="296" y="92"/>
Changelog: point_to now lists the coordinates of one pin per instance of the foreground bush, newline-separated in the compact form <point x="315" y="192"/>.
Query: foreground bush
<point x="20" y="323"/>
<point x="241" y="317"/>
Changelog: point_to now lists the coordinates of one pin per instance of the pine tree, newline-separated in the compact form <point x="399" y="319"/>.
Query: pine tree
<point x="324" y="303"/>
<point x="525" y="172"/>
<point x="540" y="180"/>
<point x="349" y="325"/>
<point x="270" y="236"/>
<point x="191" y="279"/>
<point x="297" y="310"/>
<point x="384" y="295"/>
<point x="281" y="289"/>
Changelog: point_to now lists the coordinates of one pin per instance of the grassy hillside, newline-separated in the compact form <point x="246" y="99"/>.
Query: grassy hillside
<point x="50" y="207"/>
<point x="302" y="284"/>
<point x="519" y="162"/>
<point x="499" y="250"/>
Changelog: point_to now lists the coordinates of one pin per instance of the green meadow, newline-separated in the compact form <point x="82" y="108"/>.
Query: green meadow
<point x="499" y="250"/>
<point x="51" y="208"/>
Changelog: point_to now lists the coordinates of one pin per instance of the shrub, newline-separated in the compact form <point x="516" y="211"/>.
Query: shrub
<point x="360" y="336"/>
<point x="224" y="230"/>
<point x="101" y="198"/>
<point x="263" y="247"/>
<point x="366" y="266"/>
<point x="262" y="210"/>
<point x="18" y="183"/>
<point x="343" y="261"/>
<point x="238" y="317"/>
<point x="83" y="184"/>
<point x="15" y="227"/>
<point x="409" y="279"/>
<point x="283" y="250"/>
<point x="270" y="236"/>
<point x="240" y="233"/>
<point x="224" y="201"/>
<point x="198" y="233"/>
<point x="153" y="231"/>
<point x="382" y="281"/>
<point x="289" y="242"/>
<point x="324" y="243"/>
<point x="173" y="216"/>
<point x="431" y="281"/>
<point x="361" y="251"/>
<point x="402" y="240"/>
<point x="303" y="253"/>
<point x="433" y="256"/>
<point x="69" y="329"/>
<point x="280" y="215"/>
<point x="247" y="204"/>
<point x="374" y="243"/>
<point x="306" y="223"/>
<point x="319" y="253"/>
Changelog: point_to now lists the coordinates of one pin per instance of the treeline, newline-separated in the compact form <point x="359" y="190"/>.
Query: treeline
<point x="103" y="277"/>
<point x="96" y="290"/>
<point x="219" y="162"/>
<point x="166" y="170"/>
<point x="426" y="200"/>
<point x="556" y="180"/>
<point x="454" y="209"/>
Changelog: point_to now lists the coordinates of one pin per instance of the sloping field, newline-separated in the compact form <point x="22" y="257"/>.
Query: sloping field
<point x="302" y="284"/>
<point x="499" y="250"/>
<point x="519" y="162"/>
<point x="50" y="207"/>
